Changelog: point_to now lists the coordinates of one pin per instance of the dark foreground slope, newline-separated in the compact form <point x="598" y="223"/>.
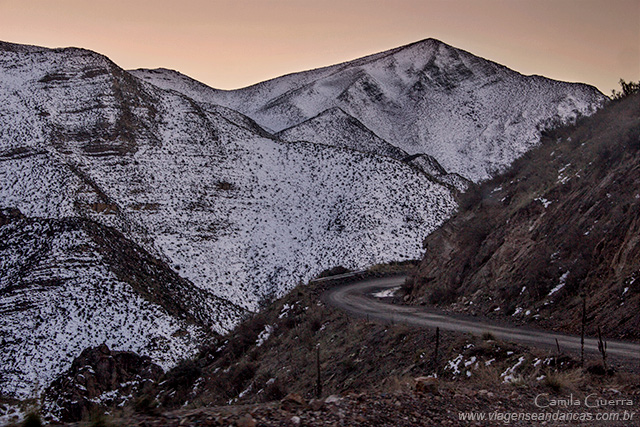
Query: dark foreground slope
<point x="265" y="373"/>
<point x="562" y="225"/>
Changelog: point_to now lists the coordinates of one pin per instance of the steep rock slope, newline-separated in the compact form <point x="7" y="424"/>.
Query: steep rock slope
<point x="69" y="284"/>
<point x="474" y="116"/>
<point x="560" y="226"/>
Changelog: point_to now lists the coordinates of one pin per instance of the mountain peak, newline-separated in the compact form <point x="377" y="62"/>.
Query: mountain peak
<point x="425" y="97"/>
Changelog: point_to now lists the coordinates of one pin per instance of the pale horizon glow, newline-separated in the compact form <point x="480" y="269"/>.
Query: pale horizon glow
<point x="229" y="44"/>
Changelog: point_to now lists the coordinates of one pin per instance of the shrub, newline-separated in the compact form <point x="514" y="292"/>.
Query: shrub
<point x="239" y="376"/>
<point x="488" y="336"/>
<point x="274" y="390"/>
<point x="444" y="296"/>
<point x="184" y="375"/>
<point x="628" y="88"/>
<point x="409" y="284"/>
<point x="32" y="420"/>
<point x="99" y="420"/>
<point x="554" y="382"/>
<point x="146" y="405"/>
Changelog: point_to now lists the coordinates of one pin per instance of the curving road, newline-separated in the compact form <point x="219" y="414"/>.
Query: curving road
<point x="356" y="298"/>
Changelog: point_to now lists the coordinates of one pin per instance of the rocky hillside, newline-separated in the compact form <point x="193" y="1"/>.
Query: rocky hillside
<point x="474" y="116"/>
<point x="265" y="372"/>
<point x="561" y="226"/>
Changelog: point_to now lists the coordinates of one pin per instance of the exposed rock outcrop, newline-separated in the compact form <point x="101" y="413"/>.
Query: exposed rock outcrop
<point x="99" y="379"/>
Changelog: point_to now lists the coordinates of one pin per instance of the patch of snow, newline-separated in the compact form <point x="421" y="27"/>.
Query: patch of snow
<point x="508" y="375"/>
<point x="470" y="362"/>
<point x="454" y="365"/>
<point x="264" y="335"/>
<point x="560" y="284"/>
<point x="387" y="293"/>
<point x="544" y="201"/>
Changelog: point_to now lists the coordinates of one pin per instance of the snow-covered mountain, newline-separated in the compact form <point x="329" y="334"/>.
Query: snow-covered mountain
<point x="196" y="191"/>
<point x="337" y="128"/>
<point x="472" y="115"/>
<point x="71" y="283"/>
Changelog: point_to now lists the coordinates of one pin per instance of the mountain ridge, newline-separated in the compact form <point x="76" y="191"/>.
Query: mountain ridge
<point x="425" y="97"/>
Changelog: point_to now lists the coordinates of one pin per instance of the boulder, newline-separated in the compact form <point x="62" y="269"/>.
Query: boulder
<point x="427" y="385"/>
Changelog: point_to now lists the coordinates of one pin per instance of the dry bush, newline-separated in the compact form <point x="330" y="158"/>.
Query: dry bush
<point x="487" y="336"/>
<point x="571" y="379"/>
<point x="274" y="390"/>
<point x="239" y="376"/>
<point x="395" y="384"/>
<point x="487" y="377"/>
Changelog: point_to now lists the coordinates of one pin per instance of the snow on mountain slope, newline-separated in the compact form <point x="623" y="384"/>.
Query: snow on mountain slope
<point x="337" y="128"/>
<point x="332" y="127"/>
<point x="59" y="294"/>
<point x="474" y="116"/>
<point x="241" y="216"/>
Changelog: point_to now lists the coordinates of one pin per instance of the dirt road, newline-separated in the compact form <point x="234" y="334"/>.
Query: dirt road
<point x="356" y="298"/>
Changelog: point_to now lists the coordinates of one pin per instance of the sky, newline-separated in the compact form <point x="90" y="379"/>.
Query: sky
<point x="229" y="44"/>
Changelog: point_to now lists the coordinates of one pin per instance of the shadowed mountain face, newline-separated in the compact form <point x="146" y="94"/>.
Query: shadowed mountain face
<point x="559" y="227"/>
<point x="474" y="116"/>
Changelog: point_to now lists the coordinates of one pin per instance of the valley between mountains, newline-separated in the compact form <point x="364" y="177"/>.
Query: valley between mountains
<point x="149" y="212"/>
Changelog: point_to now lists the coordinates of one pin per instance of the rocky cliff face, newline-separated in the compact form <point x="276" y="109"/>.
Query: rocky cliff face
<point x="560" y="226"/>
<point x="98" y="379"/>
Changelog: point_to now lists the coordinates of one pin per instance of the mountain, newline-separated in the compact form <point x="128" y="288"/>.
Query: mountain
<point x="234" y="216"/>
<point x="337" y="128"/>
<point x="472" y="115"/>
<point x="559" y="228"/>
<point x="67" y="284"/>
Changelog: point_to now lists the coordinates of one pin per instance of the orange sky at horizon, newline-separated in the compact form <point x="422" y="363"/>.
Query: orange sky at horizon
<point x="234" y="43"/>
